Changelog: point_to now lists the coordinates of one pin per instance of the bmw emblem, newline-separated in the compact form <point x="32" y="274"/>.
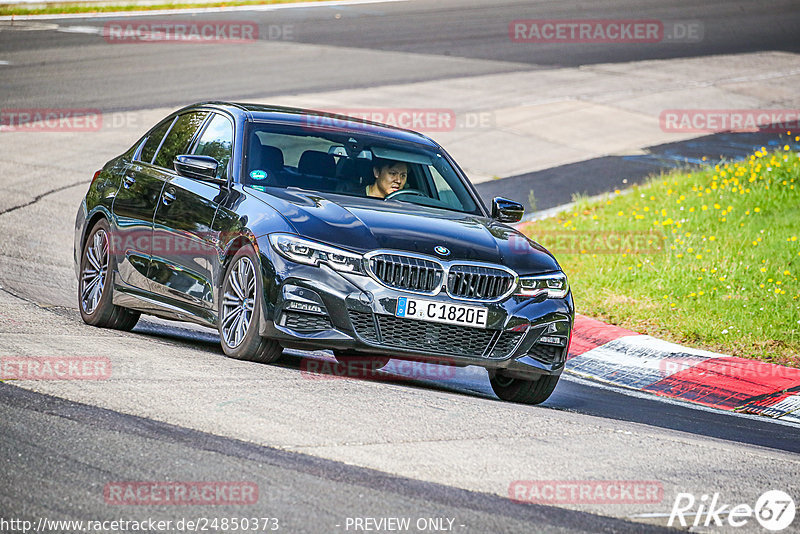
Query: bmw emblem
<point x="442" y="251"/>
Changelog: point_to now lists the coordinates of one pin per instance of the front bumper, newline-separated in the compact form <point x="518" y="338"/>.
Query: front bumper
<point x="315" y="308"/>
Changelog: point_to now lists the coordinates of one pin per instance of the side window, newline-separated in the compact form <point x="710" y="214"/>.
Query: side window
<point x="179" y="137"/>
<point x="153" y="140"/>
<point x="444" y="190"/>
<point x="217" y="141"/>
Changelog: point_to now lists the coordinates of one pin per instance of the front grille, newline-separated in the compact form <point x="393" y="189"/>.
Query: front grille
<point x="477" y="282"/>
<point x="546" y="353"/>
<point x="404" y="272"/>
<point x="432" y="337"/>
<point x="424" y="336"/>
<point x="506" y="343"/>
<point x="305" y="321"/>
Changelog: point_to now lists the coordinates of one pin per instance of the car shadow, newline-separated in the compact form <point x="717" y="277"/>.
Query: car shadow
<point x="575" y="396"/>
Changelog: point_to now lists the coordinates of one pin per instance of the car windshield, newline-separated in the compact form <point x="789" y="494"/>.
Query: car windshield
<point x="352" y="164"/>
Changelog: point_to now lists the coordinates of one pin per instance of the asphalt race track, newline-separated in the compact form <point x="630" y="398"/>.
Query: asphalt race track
<point x="324" y="450"/>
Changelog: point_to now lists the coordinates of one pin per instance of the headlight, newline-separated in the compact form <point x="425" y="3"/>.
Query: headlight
<point x="555" y="286"/>
<point x="302" y="250"/>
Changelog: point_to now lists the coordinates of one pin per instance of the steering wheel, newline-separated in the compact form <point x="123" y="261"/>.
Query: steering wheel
<point x="399" y="192"/>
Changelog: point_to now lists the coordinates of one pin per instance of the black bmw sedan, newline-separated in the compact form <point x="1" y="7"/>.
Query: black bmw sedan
<point x="288" y="228"/>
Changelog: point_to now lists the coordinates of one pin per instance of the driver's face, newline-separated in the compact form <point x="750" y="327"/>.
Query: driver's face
<point x="389" y="179"/>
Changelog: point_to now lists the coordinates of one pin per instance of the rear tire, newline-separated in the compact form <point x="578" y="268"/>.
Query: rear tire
<point x="523" y="391"/>
<point x="239" y="310"/>
<point x="95" y="283"/>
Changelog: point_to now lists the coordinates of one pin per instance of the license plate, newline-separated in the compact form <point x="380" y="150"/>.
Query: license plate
<point x="441" y="312"/>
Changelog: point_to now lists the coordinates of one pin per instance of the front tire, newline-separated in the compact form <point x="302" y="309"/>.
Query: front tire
<point x="239" y="310"/>
<point x="95" y="287"/>
<point x="523" y="391"/>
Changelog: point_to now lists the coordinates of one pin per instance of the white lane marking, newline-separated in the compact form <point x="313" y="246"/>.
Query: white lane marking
<point x="4" y="62"/>
<point x="567" y="375"/>
<point x="26" y="26"/>
<point x="192" y="11"/>
<point x="93" y="30"/>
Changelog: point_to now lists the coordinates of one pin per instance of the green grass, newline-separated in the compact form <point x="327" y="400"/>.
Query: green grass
<point x="716" y="263"/>
<point x="88" y="8"/>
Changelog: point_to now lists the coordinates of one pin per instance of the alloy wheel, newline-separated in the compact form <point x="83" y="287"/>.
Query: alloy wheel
<point x="93" y="277"/>
<point x="238" y="302"/>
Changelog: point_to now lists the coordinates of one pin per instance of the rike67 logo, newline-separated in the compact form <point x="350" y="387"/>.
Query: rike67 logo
<point x="774" y="511"/>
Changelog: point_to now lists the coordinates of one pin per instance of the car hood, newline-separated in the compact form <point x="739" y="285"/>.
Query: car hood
<point x="362" y="224"/>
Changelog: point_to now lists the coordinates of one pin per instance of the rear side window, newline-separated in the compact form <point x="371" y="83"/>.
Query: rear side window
<point x="179" y="137"/>
<point x="217" y="141"/>
<point x="153" y="140"/>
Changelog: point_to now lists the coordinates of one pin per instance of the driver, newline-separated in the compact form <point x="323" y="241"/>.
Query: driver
<point x="390" y="176"/>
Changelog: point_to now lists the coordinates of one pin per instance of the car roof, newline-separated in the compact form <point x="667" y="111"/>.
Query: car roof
<point x="311" y="119"/>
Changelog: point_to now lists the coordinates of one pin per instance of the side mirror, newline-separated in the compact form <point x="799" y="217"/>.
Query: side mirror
<point x="506" y="211"/>
<point x="198" y="167"/>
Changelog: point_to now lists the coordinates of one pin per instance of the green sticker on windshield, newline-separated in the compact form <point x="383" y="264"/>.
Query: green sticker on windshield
<point x="259" y="188"/>
<point x="258" y="175"/>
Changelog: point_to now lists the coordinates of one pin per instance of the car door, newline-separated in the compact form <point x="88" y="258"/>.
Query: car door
<point x="134" y="207"/>
<point x="183" y="241"/>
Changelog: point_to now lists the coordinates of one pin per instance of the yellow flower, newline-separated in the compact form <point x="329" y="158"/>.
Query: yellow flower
<point x="757" y="210"/>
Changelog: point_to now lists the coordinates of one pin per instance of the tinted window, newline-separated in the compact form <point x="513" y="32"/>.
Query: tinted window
<point x="179" y="137"/>
<point x="153" y="140"/>
<point x="216" y="141"/>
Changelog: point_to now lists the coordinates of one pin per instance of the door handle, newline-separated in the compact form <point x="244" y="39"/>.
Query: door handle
<point x="167" y="198"/>
<point x="128" y="181"/>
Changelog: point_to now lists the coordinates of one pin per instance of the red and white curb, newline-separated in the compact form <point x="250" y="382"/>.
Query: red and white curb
<point x="623" y="358"/>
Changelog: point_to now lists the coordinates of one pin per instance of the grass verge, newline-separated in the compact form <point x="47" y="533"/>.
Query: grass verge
<point x="68" y="8"/>
<point x="706" y="258"/>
